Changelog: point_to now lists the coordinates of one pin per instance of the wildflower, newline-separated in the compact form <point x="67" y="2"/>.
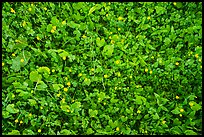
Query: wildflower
<point x="130" y="76"/>
<point x="180" y="115"/>
<point x="92" y="69"/>
<point x="24" y="23"/>
<point x="117" y="129"/>
<point x="106" y="15"/>
<point x="174" y="3"/>
<point x="53" y="70"/>
<point x="22" y="60"/>
<point x="63" y="100"/>
<point x="111" y="33"/>
<point x="150" y="72"/>
<point x="117" y="61"/>
<point x="177" y="97"/>
<point x="72" y="100"/>
<point x="39" y="130"/>
<point x="68" y="110"/>
<point x="104" y="103"/>
<point x="30" y="115"/>
<point x="45" y="8"/>
<point x="64" y="58"/>
<point x="13" y="54"/>
<point x="68" y="84"/>
<point x="63" y="22"/>
<point x="196" y="55"/>
<point x="163" y="122"/>
<point x="138" y="111"/>
<point x="38" y="38"/>
<point x="148" y="18"/>
<point x="21" y="122"/>
<point x="110" y="37"/>
<point x="181" y="110"/>
<point x="199" y="60"/>
<point x="16" y="121"/>
<point x="146" y="70"/>
<point x="80" y="75"/>
<point x="3" y="64"/>
<point x="41" y="107"/>
<point x="84" y="36"/>
<point x="120" y="18"/>
<point x="177" y="63"/>
<point x="105" y="76"/>
<point x="65" y="89"/>
<point x="52" y="31"/>
<point x="54" y="27"/>
<point x="191" y="104"/>
<point x="58" y="95"/>
<point x="119" y="29"/>
<point x="12" y="10"/>
<point x="29" y="9"/>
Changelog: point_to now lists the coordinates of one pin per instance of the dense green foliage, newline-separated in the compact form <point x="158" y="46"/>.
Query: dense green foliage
<point x="102" y="68"/>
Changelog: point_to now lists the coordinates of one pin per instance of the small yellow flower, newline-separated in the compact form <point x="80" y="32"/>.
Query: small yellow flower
<point x="70" y="70"/>
<point x="117" y="129"/>
<point x="39" y="130"/>
<point x="30" y="115"/>
<point x="63" y="22"/>
<point x="84" y="36"/>
<point x="106" y="15"/>
<point x="52" y="31"/>
<point x="138" y="111"/>
<point x="110" y="37"/>
<point x="150" y="72"/>
<point x="45" y="8"/>
<point x="12" y="10"/>
<point x="65" y="89"/>
<point x="112" y="41"/>
<point x="29" y="9"/>
<point x="177" y="63"/>
<point x="21" y="122"/>
<point x="32" y="4"/>
<point x="64" y="58"/>
<point x="104" y="103"/>
<point x="117" y="61"/>
<point x="119" y="29"/>
<point x="105" y="76"/>
<point x="41" y="107"/>
<point x="180" y="115"/>
<point x="196" y="55"/>
<point x="130" y="76"/>
<point x="146" y="70"/>
<point x="199" y="60"/>
<point x="174" y="3"/>
<point x="68" y="84"/>
<point x="58" y="95"/>
<point x="163" y="122"/>
<point x="181" y="110"/>
<point x="13" y="96"/>
<point x="22" y="60"/>
<point x="53" y="70"/>
<point x="24" y="23"/>
<point x="38" y="38"/>
<point x="177" y="97"/>
<point x="63" y="100"/>
<point x="92" y="69"/>
<point x="68" y="110"/>
<point x="54" y="27"/>
<point x="80" y="74"/>
<point x="148" y="17"/>
<point x="72" y="100"/>
<point x="191" y="104"/>
<point x="120" y="18"/>
<point x="3" y="64"/>
<point x="16" y="121"/>
<point x="200" y="66"/>
<point x="13" y="54"/>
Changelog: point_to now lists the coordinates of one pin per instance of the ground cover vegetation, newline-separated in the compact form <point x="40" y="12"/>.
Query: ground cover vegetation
<point x="101" y="68"/>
